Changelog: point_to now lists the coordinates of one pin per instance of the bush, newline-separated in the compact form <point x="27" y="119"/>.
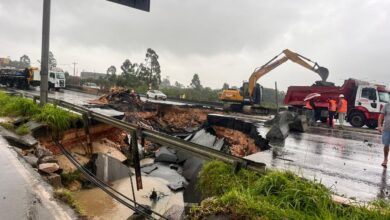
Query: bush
<point x="68" y="197"/>
<point x="273" y="195"/>
<point x="56" y="118"/>
<point x="67" y="178"/>
<point x="22" y="129"/>
<point x="7" y="125"/>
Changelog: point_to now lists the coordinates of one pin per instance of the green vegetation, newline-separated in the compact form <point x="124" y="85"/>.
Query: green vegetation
<point x="22" y="130"/>
<point x="273" y="195"/>
<point x="7" y="125"/>
<point x="68" y="197"/>
<point x="67" y="178"/>
<point x="55" y="117"/>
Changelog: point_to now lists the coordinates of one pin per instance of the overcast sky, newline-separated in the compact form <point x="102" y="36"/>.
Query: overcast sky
<point x="221" y="40"/>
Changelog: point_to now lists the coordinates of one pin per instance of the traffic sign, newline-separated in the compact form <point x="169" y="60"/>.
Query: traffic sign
<point x="143" y="5"/>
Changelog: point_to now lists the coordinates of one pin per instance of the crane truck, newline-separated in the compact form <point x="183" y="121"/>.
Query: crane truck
<point x="24" y="78"/>
<point x="365" y="100"/>
<point x="249" y="96"/>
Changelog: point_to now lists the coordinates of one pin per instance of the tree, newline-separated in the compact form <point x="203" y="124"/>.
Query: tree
<point x="225" y="86"/>
<point x="111" y="70"/>
<point x="52" y="60"/>
<point x="165" y="82"/>
<point x="195" y="82"/>
<point x="179" y="85"/>
<point x="154" y="73"/>
<point x="25" y="61"/>
<point x="126" y="67"/>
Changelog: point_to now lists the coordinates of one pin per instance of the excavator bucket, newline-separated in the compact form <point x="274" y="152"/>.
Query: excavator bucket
<point x="323" y="72"/>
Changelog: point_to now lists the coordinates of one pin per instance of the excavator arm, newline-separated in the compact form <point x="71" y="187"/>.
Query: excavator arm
<point x="275" y="62"/>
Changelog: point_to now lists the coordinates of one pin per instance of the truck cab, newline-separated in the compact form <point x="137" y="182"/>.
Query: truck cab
<point x="56" y="80"/>
<point x="369" y="101"/>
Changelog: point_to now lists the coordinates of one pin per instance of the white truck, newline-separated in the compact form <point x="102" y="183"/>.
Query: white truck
<point x="56" y="78"/>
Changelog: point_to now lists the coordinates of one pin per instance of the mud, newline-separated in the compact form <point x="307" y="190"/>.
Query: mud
<point x="240" y="144"/>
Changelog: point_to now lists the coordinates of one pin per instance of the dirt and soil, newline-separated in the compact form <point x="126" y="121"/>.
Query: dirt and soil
<point x="240" y="144"/>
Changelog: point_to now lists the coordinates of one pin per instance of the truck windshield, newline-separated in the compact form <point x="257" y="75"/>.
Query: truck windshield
<point x="384" y="97"/>
<point x="60" y="75"/>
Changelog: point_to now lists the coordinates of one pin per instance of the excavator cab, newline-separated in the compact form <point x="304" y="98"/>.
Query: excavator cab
<point x="257" y="95"/>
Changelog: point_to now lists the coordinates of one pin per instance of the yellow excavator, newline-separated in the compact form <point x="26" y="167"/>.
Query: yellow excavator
<point x="250" y="93"/>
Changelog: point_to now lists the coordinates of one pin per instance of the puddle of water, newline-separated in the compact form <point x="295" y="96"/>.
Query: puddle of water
<point x="99" y="205"/>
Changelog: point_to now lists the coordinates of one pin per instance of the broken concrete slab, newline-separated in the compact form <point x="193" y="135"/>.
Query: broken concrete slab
<point x="280" y="129"/>
<point x="47" y="159"/>
<point x="54" y="180"/>
<point x="165" y="155"/>
<point x="299" y="124"/>
<point x="32" y="160"/>
<point x="176" y="186"/>
<point x="149" y="169"/>
<point x="33" y="125"/>
<point x="175" y="212"/>
<point x="41" y="152"/>
<point x="204" y="138"/>
<point x="25" y="140"/>
<point x="48" y="167"/>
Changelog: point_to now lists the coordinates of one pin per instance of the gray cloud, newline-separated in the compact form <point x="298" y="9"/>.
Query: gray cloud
<point x="222" y="40"/>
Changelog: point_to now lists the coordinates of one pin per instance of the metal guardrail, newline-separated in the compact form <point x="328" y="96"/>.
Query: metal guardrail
<point x="163" y="139"/>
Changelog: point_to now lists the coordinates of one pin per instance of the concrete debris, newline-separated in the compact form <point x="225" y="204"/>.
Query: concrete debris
<point x="205" y="138"/>
<point x="48" y="167"/>
<point x="165" y="155"/>
<point x="176" y="212"/>
<point x="54" y="180"/>
<point x="283" y="123"/>
<point x="121" y="99"/>
<point x="33" y="125"/>
<point x="32" y="160"/>
<point x="176" y="186"/>
<point x="41" y="152"/>
<point x="149" y="169"/>
<point x="25" y="140"/>
<point x="108" y="168"/>
<point x="47" y="159"/>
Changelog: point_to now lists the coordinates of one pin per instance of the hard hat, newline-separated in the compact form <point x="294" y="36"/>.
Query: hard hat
<point x="341" y="96"/>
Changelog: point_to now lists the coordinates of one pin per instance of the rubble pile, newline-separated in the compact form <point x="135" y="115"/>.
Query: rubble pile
<point x="170" y="119"/>
<point x="121" y="99"/>
<point x="240" y="144"/>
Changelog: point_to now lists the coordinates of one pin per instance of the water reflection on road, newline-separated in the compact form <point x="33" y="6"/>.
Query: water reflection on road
<point x="345" y="161"/>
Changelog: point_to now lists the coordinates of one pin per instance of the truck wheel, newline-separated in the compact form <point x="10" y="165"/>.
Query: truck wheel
<point x="357" y="119"/>
<point x="372" y="124"/>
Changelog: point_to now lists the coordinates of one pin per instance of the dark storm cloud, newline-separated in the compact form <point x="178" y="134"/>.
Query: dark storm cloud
<point x="219" y="39"/>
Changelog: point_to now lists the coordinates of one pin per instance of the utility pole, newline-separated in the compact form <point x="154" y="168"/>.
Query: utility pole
<point x="276" y="97"/>
<point x="74" y="68"/>
<point x="45" y="52"/>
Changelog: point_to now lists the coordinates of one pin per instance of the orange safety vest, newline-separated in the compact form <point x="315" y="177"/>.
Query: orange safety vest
<point x="332" y="105"/>
<point x="308" y="105"/>
<point x="342" y="107"/>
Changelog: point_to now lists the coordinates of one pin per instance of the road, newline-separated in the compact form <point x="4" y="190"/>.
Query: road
<point x="347" y="162"/>
<point x="23" y="194"/>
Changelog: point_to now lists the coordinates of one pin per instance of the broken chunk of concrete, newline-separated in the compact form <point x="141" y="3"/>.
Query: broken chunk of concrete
<point x="299" y="124"/>
<point x="54" y="180"/>
<point x="176" y="186"/>
<point x="32" y="160"/>
<point x="47" y="159"/>
<point x="175" y="212"/>
<point x="48" y="167"/>
<point x="26" y="140"/>
<point x="149" y="169"/>
<point x="165" y="155"/>
<point x="33" y="125"/>
<point x="280" y="129"/>
<point x="41" y="152"/>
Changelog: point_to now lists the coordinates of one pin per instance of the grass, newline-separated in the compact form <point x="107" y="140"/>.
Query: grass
<point x="7" y="125"/>
<point x="22" y="130"/>
<point x="68" y="197"/>
<point x="273" y="195"/>
<point x="67" y="178"/>
<point x="56" y="118"/>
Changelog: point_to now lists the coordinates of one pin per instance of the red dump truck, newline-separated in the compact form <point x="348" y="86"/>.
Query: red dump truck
<point x="365" y="100"/>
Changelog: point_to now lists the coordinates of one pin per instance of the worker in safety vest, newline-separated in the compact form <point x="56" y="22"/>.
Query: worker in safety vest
<point x="310" y="111"/>
<point x="342" y="108"/>
<point x="332" y="107"/>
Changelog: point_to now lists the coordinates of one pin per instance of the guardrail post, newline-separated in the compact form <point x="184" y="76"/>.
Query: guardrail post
<point x="87" y="122"/>
<point x="136" y="162"/>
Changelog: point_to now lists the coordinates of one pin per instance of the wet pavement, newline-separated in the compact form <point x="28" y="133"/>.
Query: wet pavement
<point x="23" y="194"/>
<point x="347" y="162"/>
